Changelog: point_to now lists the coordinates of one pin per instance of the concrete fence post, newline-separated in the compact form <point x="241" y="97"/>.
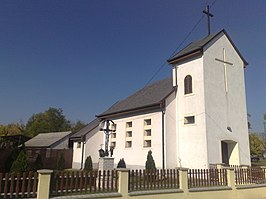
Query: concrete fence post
<point x="44" y="183"/>
<point x="183" y="179"/>
<point x="123" y="179"/>
<point x="264" y="171"/>
<point x="220" y="165"/>
<point x="231" y="178"/>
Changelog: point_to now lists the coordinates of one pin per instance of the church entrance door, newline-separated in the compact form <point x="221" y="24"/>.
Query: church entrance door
<point x="230" y="152"/>
<point x="225" y="155"/>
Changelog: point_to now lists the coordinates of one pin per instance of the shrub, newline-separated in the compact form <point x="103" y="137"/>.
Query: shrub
<point x="38" y="162"/>
<point x="88" y="164"/>
<point x="121" y="163"/>
<point x="150" y="164"/>
<point x="21" y="163"/>
<point x="61" y="162"/>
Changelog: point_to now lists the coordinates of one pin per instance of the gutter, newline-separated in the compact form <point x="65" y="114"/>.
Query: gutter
<point x="82" y="154"/>
<point x="163" y="145"/>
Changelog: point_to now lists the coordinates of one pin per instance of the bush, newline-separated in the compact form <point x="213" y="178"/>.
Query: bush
<point x="61" y="162"/>
<point x="38" y="162"/>
<point x="121" y="163"/>
<point x="21" y="163"/>
<point x="88" y="164"/>
<point x="150" y="164"/>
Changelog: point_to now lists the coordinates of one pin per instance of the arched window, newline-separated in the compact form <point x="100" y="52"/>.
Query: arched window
<point x="188" y="84"/>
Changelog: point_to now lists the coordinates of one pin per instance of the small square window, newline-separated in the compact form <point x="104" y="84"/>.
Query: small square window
<point x="129" y="134"/>
<point x="128" y="144"/>
<point x="147" y="132"/>
<point x="113" y="144"/>
<point x="147" y="143"/>
<point x="189" y="120"/>
<point x="113" y="135"/>
<point x="147" y="122"/>
<point x="129" y="124"/>
<point x="79" y="145"/>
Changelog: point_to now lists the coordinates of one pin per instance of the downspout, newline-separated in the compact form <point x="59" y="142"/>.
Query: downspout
<point x="163" y="155"/>
<point x="82" y="154"/>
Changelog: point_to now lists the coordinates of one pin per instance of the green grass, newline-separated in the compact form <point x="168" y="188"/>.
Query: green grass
<point x="259" y="163"/>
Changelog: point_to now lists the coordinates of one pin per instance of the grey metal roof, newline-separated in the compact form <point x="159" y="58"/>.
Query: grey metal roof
<point x="92" y="125"/>
<point x="46" y="139"/>
<point x="150" y="95"/>
<point x="198" y="46"/>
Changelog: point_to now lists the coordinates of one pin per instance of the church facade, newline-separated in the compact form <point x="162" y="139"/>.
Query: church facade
<point x="195" y="119"/>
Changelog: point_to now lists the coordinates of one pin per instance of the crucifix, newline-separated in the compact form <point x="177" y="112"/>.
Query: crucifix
<point x="225" y="69"/>
<point x="209" y="15"/>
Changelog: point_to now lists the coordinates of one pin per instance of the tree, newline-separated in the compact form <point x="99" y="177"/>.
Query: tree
<point x="12" y="129"/>
<point x="51" y="120"/>
<point x="150" y="164"/>
<point x="77" y="126"/>
<point x="61" y="162"/>
<point x="256" y="144"/>
<point x="88" y="164"/>
<point x="21" y="163"/>
<point x="121" y="163"/>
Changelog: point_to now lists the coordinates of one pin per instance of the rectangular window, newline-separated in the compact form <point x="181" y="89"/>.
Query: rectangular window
<point x="128" y="144"/>
<point x="113" y="135"/>
<point x="147" y="143"/>
<point x="128" y="124"/>
<point x="147" y="122"/>
<point x="113" y="144"/>
<point x="129" y="134"/>
<point x="189" y="120"/>
<point x="147" y="132"/>
<point x="79" y="145"/>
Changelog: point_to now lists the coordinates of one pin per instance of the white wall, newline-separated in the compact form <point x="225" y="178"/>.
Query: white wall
<point x="171" y="152"/>
<point x="91" y="146"/>
<point x="191" y="138"/>
<point x="135" y="157"/>
<point x="225" y="110"/>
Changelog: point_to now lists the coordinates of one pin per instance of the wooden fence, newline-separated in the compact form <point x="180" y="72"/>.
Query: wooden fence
<point x="18" y="185"/>
<point x="153" y="179"/>
<point x="250" y="175"/>
<point x="74" y="182"/>
<point x="206" y="177"/>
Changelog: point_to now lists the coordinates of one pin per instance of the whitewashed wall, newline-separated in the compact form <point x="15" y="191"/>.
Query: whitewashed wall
<point x="191" y="138"/>
<point x="220" y="112"/>
<point x="136" y="156"/>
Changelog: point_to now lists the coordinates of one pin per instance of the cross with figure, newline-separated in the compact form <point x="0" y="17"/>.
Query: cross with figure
<point x="225" y="69"/>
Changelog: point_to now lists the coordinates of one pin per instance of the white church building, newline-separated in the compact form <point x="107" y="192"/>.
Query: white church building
<point x="195" y="119"/>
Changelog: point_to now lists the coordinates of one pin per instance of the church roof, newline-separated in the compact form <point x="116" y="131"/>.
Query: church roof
<point x="196" y="48"/>
<point x="88" y="128"/>
<point x="148" y="97"/>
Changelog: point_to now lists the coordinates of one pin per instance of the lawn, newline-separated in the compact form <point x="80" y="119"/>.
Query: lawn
<point x="259" y="163"/>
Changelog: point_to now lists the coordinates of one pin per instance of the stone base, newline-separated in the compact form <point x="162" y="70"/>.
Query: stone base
<point x="106" y="163"/>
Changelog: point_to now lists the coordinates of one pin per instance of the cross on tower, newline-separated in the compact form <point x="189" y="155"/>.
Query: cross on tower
<point x="225" y="68"/>
<point x="209" y="15"/>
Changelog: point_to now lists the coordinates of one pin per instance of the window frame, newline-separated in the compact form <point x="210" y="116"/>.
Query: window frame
<point x="189" y="120"/>
<point x="188" y="85"/>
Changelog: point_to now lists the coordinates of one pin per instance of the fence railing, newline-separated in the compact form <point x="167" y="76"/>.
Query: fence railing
<point x="67" y="183"/>
<point x="206" y="177"/>
<point x="153" y="179"/>
<point x="18" y="185"/>
<point x="250" y="175"/>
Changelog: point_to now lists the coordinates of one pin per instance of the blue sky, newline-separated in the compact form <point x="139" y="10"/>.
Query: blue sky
<point x="83" y="56"/>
